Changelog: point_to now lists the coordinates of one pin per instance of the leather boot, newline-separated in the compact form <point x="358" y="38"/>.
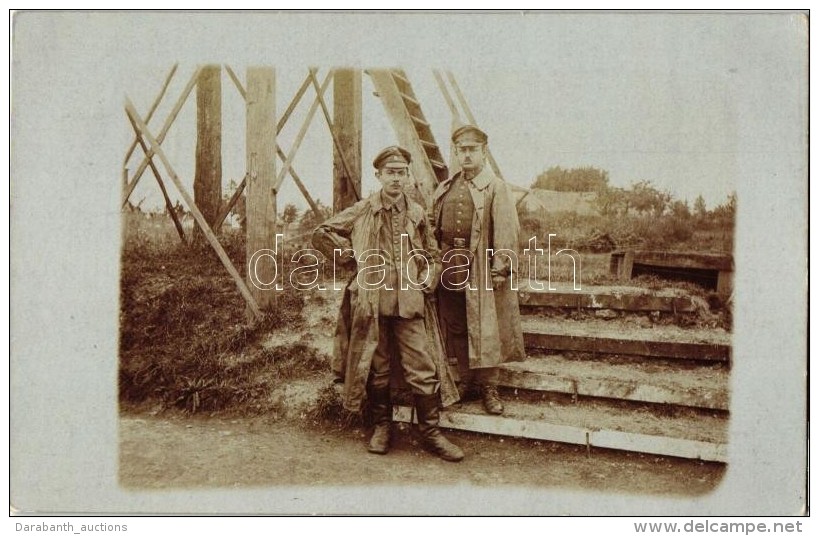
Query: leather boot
<point x="468" y="388"/>
<point x="428" y="415"/>
<point x="491" y="401"/>
<point x="381" y="410"/>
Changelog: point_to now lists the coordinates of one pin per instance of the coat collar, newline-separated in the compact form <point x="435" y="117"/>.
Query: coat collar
<point x="479" y="182"/>
<point x="482" y="179"/>
<point x="377" y="202"/>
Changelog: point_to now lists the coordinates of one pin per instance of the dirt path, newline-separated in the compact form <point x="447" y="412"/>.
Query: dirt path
<point x="180" y="452"/>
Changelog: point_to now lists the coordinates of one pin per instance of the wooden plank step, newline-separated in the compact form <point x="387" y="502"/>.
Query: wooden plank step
<point x="429" y="144"/>
<point x="625" y="338"/>
<point x="642" y="381"/>
<point x="400" y="76"/>
<point x="696" y="436"/>
<point x="409" y="98"/>
<point x="618" y="298"/>
<point x="419" y="121"/>
<point x="680" y="259"/>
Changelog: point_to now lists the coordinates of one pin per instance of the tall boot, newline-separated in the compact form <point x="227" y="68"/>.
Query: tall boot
<point x="381" y="410"/>
<point x="428" y="415"/>
<point x="491" y="400"/>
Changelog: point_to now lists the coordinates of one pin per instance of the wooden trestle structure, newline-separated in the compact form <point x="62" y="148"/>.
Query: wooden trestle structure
<point x="655" y="391"/>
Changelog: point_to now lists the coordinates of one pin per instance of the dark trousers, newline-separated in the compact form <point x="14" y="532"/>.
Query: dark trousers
<point x="452" y="318"/>
<point x="409" y="337"/>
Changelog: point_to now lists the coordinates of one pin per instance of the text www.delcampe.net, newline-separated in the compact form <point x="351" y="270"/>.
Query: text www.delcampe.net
<point x="720" y="527"/>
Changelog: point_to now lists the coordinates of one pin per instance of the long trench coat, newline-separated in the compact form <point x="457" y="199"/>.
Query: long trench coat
<point x="357" y="327"/>
<point x="493" y="315"/>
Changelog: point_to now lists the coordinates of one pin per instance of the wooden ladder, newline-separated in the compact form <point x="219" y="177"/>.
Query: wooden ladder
<point x="412" y="129"/>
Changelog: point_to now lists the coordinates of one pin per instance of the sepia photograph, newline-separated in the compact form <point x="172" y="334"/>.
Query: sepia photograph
<point x="409" y="263"/>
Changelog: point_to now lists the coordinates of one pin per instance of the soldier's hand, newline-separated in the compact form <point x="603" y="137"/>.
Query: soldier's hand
<point x="347" y="259"/>
<point x="498" y="281"/>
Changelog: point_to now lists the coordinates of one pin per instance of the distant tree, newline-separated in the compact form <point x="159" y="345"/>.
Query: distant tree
<point x="584" y="179"/>
<point x="679" y="210"/>
<point x="612" y="202"/>
<point x="646" y="199"/>
<point x="700" y="212"/>
<point x="290" y="213"/>
<point x="309" y="220"/>
<point x="726" y="213"/>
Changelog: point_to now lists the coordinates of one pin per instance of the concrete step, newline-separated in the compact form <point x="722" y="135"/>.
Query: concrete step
<point x="626" y="338"/>
<point x="682" y="432"/>
<point x="658" y="382"/>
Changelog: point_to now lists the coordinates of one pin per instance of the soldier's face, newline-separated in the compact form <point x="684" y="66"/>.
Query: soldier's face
<point x="392" y="179"/>
<point x="471" y="157"/>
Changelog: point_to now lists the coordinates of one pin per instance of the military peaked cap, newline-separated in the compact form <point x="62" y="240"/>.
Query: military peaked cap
<point x="469" y="135"/>
<point x="393" y="156"/>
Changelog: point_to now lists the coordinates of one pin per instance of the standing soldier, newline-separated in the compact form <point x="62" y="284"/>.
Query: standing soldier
<point x="384" y="306"/>
<point x="474" y="220"/>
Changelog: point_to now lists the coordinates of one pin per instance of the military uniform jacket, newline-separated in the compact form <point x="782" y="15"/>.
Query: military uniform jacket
<point x="357" y="329"/>
<point x="493" y="316"/>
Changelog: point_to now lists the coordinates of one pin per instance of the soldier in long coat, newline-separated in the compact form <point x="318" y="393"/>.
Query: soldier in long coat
<point x="384" y="310"/>
<point x="476" y="227"/>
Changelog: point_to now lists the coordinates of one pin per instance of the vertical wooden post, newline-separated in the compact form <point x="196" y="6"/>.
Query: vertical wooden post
<point x="261" y="193"/>
<point x="207" y="183"/>
<point x="347" y="122"/>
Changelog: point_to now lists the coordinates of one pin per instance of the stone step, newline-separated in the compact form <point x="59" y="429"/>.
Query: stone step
<point x="620" y="298"/>
<point x="658" y="382"/>
<point x="682" y="433"/>
<point x="625" y="338"/>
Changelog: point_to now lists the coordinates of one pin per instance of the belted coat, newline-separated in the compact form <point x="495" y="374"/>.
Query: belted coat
<point x="357" y="327"/>
<point x="493" y="315"/>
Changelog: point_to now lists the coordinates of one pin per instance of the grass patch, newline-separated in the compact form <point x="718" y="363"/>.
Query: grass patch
<point x="185" y="340"/>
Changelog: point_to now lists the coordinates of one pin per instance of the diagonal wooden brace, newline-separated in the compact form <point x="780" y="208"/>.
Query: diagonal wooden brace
<point x="300" y="136"/>
<point x="151" y="111"/>
<point x="197" y="215"/>
<point x="179" y="230"/>
<point x="340" y="150"/>
<point x="162" y="133"/>
<point x="299" y="184"/>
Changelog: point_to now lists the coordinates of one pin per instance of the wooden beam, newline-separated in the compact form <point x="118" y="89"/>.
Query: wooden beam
<point x="347" y="122"/>
<point x="471" y="118"/>
<point x="236" y="82"/>
<point x="593" y="299"/>
<point x="299" y="184"/>
<point x="223" y="214"/>
<point x="610" y="345"/>
<point x="348" y="172"/>
<point x="207" y="181"/>
<point x="455" y="124"/>
<point x="260" y="201"/>
<point x="162" y="133"/>
<point x="203" y="224"/>
<point x="177" y="224"/>
<point x="293" y="103"/>
<point x="420" y="167"/>
<point x="300" y="136"/>
<point x="577" y="435"/>
<point x="684" y="259"/>
<point x="705" y="388"/>
<point x="152" y="109"/>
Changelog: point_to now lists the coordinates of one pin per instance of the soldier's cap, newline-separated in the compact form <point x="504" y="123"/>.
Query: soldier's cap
<point x="469" y="135"/>
<point x="392" y="157"/>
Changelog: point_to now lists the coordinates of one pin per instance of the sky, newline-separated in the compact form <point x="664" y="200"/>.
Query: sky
<point x="657" y="97"/>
